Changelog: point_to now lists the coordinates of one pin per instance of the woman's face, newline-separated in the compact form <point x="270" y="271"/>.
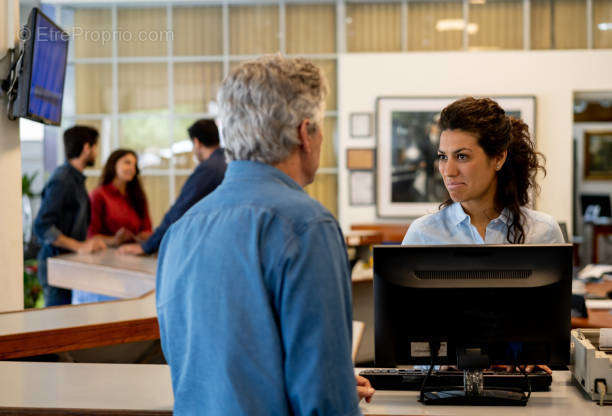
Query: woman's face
<point x="125" y="169"/>
<point x="468" y="173"/>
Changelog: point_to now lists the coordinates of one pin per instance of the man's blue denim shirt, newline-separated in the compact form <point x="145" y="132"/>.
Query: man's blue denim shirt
<point x="254" y="302"/>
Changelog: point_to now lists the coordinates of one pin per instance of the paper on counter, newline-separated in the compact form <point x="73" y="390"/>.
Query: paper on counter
<point x="594" y="271"/>
<point x="599" y="303"/>
<point x="605" y="338"/>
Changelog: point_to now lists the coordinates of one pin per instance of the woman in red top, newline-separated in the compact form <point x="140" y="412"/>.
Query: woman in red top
<point x="119" y="211"/>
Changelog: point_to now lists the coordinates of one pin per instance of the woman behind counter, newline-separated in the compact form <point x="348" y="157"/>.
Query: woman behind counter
<point x="119" y="211"/>
<point x="489" y="166"/>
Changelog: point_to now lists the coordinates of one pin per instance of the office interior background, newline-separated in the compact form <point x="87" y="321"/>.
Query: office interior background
<point x="161" y="70"/>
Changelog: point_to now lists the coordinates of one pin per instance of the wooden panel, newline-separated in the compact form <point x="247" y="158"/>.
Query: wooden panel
<point x="325" y="190"/>
<point x="142" y="32"/>
<point x="311" y="28"/>
<point x="142" y="87"/>
<point x="570" y="24"/>
<point x="392" y="233"/>
<point x="329" y="69"/>
<point x="77" y="338"/>
<point x="253" y="29"/>
<point x="567" y="19"/>
<point x="197" y="30"/>
<point x="541" y="24"/>
<point x="422" y="19"/>
<point x="157" y="189"/>
<point x="92" y="33"/>
<point x="330" y="140"/>
<point x="373" y="27"/>
<point x="93" y="87"/>
<point x="499" y="25"/>
<point x="602" y="13"/>
<point x="195" y="86"/>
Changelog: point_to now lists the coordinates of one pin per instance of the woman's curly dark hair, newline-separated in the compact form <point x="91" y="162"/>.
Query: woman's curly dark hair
<point x="496" y="132"/>
<point x="134" y="191"/>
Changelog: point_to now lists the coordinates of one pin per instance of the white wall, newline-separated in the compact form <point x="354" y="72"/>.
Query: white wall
<point x="551" y="76"/>
<point x="11" y="251"/>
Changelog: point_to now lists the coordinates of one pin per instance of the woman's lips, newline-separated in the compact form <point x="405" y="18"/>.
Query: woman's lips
<point x="454" y="185"/>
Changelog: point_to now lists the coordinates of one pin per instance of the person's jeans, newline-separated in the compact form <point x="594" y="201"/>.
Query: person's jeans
<point x="54" y="296"/>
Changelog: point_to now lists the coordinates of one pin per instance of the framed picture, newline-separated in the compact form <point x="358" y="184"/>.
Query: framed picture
<point x="408" y="183"/>
<point x="598" y="155"/>
<point x="360" y="159"/>
<point x="361" y="125"/>
<point x="361" y="187"/>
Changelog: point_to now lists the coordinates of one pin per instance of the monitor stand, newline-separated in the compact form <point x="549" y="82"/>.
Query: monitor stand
<point x="474" y="394"/>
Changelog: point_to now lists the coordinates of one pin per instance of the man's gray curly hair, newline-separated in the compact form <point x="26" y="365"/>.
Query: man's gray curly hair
<point x="262" y="103"/>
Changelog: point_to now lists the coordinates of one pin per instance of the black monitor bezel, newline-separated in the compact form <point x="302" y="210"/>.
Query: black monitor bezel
<point x="23" y="106"/>
<point x="387" y="358"/>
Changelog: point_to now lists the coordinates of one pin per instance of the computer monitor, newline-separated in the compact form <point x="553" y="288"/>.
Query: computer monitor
<point x="480" y="304"/>
<point x="603" y="201"/>
<point x="42" y="72"/>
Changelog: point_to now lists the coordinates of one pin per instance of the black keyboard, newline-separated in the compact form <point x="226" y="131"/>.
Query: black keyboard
<point x="400" y="379"/>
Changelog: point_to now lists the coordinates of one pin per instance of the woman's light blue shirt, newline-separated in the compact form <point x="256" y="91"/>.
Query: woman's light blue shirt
<point x="452" y="225"/>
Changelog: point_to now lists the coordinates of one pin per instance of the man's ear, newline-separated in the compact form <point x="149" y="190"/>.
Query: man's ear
<point x="303" y="135"/>
<point x="86" y="149"/>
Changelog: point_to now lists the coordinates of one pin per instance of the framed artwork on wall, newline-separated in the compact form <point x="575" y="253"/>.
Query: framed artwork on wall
<point x="360" y="159"/>
<point x="361" y="187"/>
<point x="598" y="155"/>
<point x="408" y="183"/>
<point x="361" y="125"/>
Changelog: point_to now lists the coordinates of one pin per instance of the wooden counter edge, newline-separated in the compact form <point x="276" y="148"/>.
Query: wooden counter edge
<point x="77" y="338"/>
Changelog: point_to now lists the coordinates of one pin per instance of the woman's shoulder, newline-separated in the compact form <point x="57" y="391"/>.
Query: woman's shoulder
<point x="542" y="228"/>
<point x="429" y="219"/>
<point x="539" y="217"/>
<point x="422" y="228"/>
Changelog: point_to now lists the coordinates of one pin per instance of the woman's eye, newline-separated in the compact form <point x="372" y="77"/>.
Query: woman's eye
<point x="441" y="157"/>
<point x="461" y="156"/>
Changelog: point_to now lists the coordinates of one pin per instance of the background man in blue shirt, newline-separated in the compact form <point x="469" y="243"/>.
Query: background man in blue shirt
<point x="64" y="215"/>
<point x="253" y="283"/>
<point x="204" y="179"/>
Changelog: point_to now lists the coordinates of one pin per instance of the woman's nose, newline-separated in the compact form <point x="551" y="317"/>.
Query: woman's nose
<point x="449" y="168"/>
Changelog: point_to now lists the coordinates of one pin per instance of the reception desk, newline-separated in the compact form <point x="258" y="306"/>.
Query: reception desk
<point x="129" y="389"/>
<point x="105" y="272"/>
<point x="67" y="328"/>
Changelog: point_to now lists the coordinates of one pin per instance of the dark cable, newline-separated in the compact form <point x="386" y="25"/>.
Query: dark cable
<point x="433" y="349"/>
<point x="522" y="370"/>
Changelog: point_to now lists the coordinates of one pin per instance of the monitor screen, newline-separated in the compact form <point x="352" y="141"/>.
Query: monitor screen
<point x="510" y="302"/>
<point x="43" y="70"/>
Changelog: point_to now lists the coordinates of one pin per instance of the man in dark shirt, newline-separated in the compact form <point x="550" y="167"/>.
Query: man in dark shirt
<point x="204" y="179"/>
<point x="62" y="221"/>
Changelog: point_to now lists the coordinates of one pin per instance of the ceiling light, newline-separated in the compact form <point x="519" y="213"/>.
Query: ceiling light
<point x="604" y="26"/>
<point x="446" y="25"/>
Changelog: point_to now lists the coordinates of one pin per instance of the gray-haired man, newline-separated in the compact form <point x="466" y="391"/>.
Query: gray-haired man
<point x="253" y="289"/>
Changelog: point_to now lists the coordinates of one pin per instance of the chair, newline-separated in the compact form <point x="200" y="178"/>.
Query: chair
<point x="358" y="328"/>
